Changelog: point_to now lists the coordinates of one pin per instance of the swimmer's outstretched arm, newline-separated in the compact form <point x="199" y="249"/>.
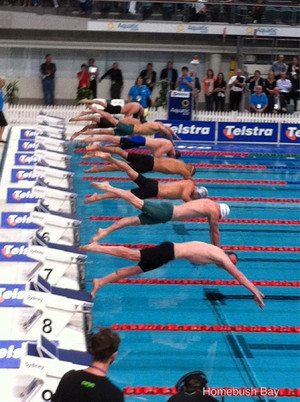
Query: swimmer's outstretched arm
<point x="121" y="224"/>
<point x="168" y="132"/>
<point x="122" y="273"/>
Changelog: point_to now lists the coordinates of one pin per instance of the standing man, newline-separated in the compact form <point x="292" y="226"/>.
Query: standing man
<point x="279" y="66"/>
<point x="284" y="86"/>
<point x="48" y="70"/>
<point x="277" y="102"/>
<point x="169" y="73"/>
<point x="92" y="383"/>
<point x="255" y="81"/>
<point x="185" y="82"/>
<point x="94" y="72"/>
<point x="236" y="84"/>
<point x="116" y="81"/>
<point x="149" y="76"/>
<point x="3" y="121"/>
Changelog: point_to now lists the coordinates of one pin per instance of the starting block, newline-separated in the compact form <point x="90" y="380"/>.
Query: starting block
<point x="53" y="159"/>
<point x="54" y="177"/>
<point x="51" y="131"/>
<point x="46" y="363"/>
<point x="53" y="264"/>
<point x="61" y="201"/>
<point x="47" y="120"/>
<point x="60" y="229"/>
<point x="56" y="308"/>
<point x="51" y="144"/>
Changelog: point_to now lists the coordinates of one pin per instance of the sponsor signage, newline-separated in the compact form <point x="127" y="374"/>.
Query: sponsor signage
<point x="25" y="159"/>
<point x="180" y="105"/>
<point x="17" y="220"/>
<point x="192" y="130"/>
<point x="27" y="134"/>
<point x="12" y="295"/>
<point x="27" y="145"/>
<point x="290" y="134"/>
<point x="20" y="196"/>
<point x="10" y="353"/>
<point x="22" y="174"/>
<point x="12" y="252"/>
<point x="247" y="132"/>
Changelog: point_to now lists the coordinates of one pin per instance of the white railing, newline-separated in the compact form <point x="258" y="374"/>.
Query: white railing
<point x="26" y="114"/>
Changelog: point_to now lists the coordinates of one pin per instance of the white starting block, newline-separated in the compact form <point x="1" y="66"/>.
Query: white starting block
<point x="55" y="177"/>
<point x="61" y="201"/>
<point x="54" y="264"/>
<point x="57" y="228"/>
<point x="51" y="131"/>
<point x="46" y="363"/>
<point x="53" y="159"/>
<point x="44" y="119"/>
<point x="51" y="144"/>
<point x="55" y="308"/>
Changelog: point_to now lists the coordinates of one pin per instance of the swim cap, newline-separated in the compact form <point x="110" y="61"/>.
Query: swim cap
<point x="146" y="112"/>
<point x="177" y="154"/>
<point x="202" y="192"/>
<point x="224" y="210"/>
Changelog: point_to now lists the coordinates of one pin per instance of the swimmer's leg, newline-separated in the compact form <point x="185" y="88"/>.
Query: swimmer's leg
<point x="133" y="175"/>
<point x="99" y="197"/>
<point x="122" y="223"/>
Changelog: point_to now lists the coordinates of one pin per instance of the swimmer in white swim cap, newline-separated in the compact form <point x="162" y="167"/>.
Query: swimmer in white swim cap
<point x="202" y="192"/>
<point x="224" y="210"/>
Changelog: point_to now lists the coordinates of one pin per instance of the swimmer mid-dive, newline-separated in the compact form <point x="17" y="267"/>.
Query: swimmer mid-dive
<point x="148" y="259"/>
<point x="143" y="163"/>
<point x="155" y="212"/>
<point x="122" y="130"/>
<point x="148" y="188"/>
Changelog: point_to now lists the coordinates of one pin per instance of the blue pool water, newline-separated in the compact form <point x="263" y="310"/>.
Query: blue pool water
<point x="156" y="358"/>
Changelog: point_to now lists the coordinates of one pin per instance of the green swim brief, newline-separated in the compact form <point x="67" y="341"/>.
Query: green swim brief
<point x="123" y="129"/>
<point x="156" y="212"/>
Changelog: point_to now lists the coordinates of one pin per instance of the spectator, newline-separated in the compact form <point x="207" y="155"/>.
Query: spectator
<point x="294" y="76"/>
<point x="116" y="81"/>
<point x="191" y="388"/>
<point x="86" y="7"/>
<point x="94" y="72"/>
<point x="277" y="102"/>
<point x="196" y="89"/>
<point x="236" y="85"/>
<point x="284" y="86"/>
<point x="139" y="93"/>
<point x="3" y="122"/>
<point x="279" y="66"/>
<point x="149" y="76"/>
<point x="258" y="101"/>
<point x="48" y="70"/>
<point x="92" y="384"/>
<point x="219" y="93"/>
<point x="83" y="77"/>
<point x="208" y="88"/>
<point x="255" y="81"/>
<point x="169" y="73"/>
<point x="270" y="83"/>
<point x="184" y="82"/>
<point x="258" y="12"/>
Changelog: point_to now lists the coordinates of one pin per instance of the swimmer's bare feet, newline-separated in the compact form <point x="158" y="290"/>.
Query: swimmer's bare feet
<point x="99" y="235"/>
<point x="93" y="147"/>
<point x="76" y="134"/>
<point x="97" y="284"/>
<point x="92" y="247"/>
<point x="93" y="198"/>
<point x="94" y="169"/>
<point x="105" y="186"/>
<point x="104" y="155"/>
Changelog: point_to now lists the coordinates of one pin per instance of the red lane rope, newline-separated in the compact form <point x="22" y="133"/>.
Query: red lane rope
<point x="249" y="199"/>
<point x="204" y="153"/>
<point x="204" y="282"/>
<point x="202" y="220"/>
<point x="227" y="248"/>
<point x="282" y="392"/>
<point x="199" y="165"/>
<point x="205" y="328"/>
<point x="231" y="181"/>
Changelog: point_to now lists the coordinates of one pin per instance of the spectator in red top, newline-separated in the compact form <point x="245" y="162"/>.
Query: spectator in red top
<point x="83" y="77"/>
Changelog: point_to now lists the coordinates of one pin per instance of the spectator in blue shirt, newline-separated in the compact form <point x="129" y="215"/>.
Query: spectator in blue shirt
<point x="3" y="121"/>
<point x="258" y="101"/>
<point x="279" y="66"/>
<point x="139" y="93"/>
<point x="184" y="82"/>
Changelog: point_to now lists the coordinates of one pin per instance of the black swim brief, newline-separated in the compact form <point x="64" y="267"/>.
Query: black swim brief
<point x="104" y="123"/>
<point x="113" y="109"/>
<point x="155" y="257"/>
<point x="141" y="163"/>
<point x="148" y="188"/>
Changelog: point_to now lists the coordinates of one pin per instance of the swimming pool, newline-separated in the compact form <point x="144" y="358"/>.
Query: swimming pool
<point x="261" y="186"/>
